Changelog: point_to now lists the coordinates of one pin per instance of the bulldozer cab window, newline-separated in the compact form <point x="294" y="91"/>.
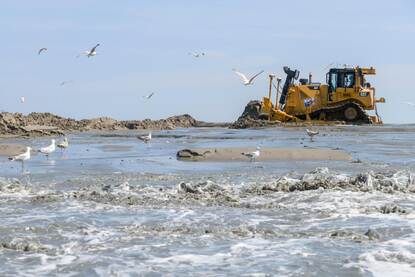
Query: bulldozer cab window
<point x="333" y="82"/>
<point x="341" y="80"/>
<point x="348" y="80"/>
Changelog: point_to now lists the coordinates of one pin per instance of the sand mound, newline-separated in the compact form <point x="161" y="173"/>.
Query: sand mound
<point x="250" y="117"/>
<point x="38" y="124"/>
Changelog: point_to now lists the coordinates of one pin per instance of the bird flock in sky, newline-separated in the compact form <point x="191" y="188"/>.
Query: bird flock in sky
<point x="196" y="54"/>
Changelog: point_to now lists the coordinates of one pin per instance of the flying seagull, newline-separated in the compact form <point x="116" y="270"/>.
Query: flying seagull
<point x="197" y="54"/>
<point x="410" y="104"/>
<point x="22" y="99"/>
<point x="311" y="133"/>
<point x="148" y="96"/>
<point x="145" y="138"/>
<point x="63" y="144"/>
<point x="90" y="53"/>
<point x="253" y="155"/>
<point x="48" y="149"/>
<point x="41" y="50"/>
<point x="22" y="157"/>
<point x="65" y="82"/>
<point x="247" y="81"/>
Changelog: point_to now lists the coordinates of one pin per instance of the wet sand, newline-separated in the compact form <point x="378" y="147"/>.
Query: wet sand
<point x="110" y="203"/>
<point x="267" y="154"/>
<point x="11" y="149"/>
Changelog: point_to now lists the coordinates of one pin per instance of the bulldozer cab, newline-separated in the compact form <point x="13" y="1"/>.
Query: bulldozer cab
<point x="341" y="81"/>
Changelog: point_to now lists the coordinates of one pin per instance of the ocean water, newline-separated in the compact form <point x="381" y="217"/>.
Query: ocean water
<point x="113" y="206"/>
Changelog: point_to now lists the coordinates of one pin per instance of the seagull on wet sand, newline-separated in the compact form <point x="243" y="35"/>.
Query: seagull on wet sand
<point x="252" y="155"/>
<point x="146" y="138"/>
<point x="148" y="96"/>
<point x="41" y="50"/>
<point x="48" y="149"/>
<point x="311" y="133"/>
<point x="22" y="157"/>
<point x="196" y="54"/>
<point x="247" y="81"/>
<point x="90" y="53"/>
<point x="63" y="144"/>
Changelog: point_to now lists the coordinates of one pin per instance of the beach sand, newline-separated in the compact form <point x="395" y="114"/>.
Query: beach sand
<point x="267" y="154"/>
<point x="11" y="149"/>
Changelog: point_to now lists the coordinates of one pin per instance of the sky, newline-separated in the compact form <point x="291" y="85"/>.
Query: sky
<point x="145" y="45"/>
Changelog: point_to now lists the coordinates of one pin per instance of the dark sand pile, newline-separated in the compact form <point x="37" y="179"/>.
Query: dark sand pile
<point x="38" y="124"/>
<point x="250" y="117"/>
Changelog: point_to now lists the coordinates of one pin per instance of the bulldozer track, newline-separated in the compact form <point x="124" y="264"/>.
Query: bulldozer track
<point x="337" y="113"/>
<point x="332" y="113"/>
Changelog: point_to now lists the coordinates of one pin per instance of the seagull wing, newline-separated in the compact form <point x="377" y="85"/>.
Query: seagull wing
<point x="45" y="149"/>
<point x="244" y="78"/>
<point x="63" y="144"/>
<point x="17" y="157"/>
<point x="250" y="80"/>
<point x="48" y="149"/>
<point x="41" y="50"/>
<point x="150" y="95"/>
<point x="94" y="48"/>
<point x="83" y="53"/>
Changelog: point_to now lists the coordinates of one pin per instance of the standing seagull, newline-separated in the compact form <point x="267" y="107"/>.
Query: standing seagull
<point x="247" y="81"/>
<point x="90" y="53"/>
<point x="253" y="155"/>
<point x="22" y="157"/>
<point x="48" y="149"/>
<point x="41" y="50"/>
<point x="145" y="138"/>
<point x="148" y="96"/>
<point x="311" y="133"/>
<point x="63" y="144"/>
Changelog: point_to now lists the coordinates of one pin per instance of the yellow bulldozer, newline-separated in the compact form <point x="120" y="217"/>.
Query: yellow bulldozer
<point x="345" y="97"/>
